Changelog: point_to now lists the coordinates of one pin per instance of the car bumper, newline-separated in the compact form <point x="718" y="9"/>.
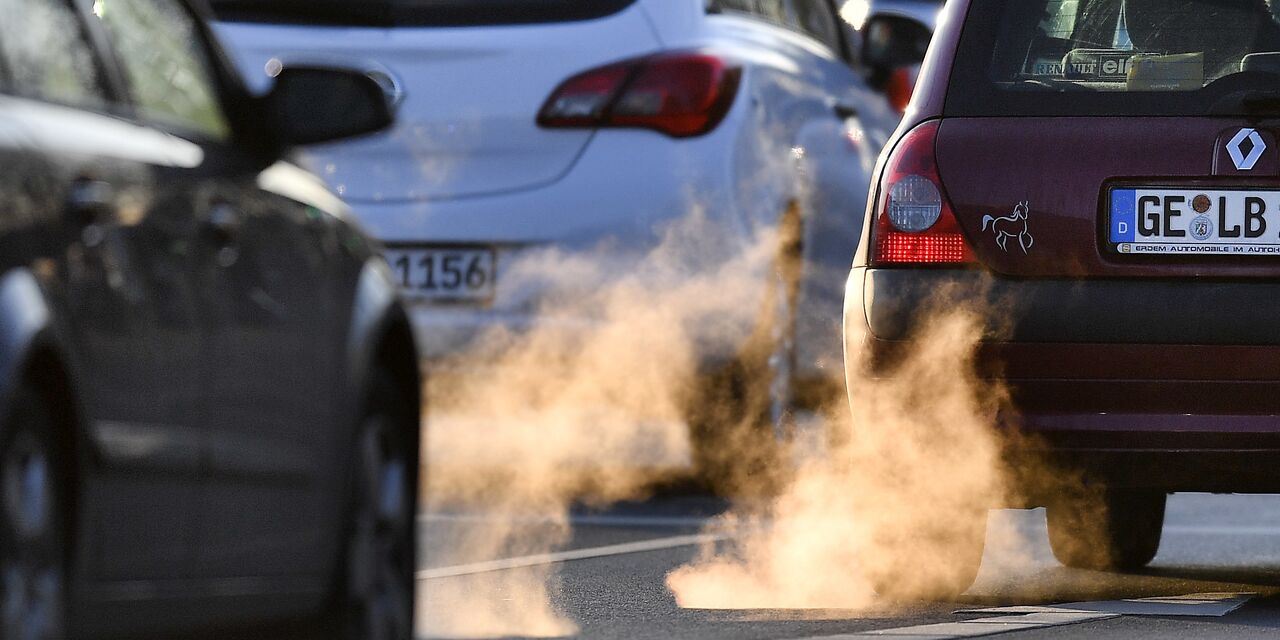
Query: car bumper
<point x="1170" y="384"/>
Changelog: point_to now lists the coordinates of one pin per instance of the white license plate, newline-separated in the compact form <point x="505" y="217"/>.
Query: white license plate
<point x="444" y="274"/>
<point x="1169" y="221"/>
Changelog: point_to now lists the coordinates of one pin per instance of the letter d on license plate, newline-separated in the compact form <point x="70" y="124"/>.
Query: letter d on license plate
<point x="1180" y="221"/>
<point x="444" y="274"/>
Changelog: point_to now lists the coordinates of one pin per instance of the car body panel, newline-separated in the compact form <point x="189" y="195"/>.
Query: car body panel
<point x="1178" y="393"/>
<point x="134" y="322"/>
<point x="1064" y="167"/>
<point x="467" y="97"/>
<point x="26" y="317"/>
<point x="934" y="78"/>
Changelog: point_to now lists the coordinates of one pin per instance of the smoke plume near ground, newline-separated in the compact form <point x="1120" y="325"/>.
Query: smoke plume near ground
<point x="587" y="406"/>
<point x="903" y="476"/>
<point x="591" y="406"/>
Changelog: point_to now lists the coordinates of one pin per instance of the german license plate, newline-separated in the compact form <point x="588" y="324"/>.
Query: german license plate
<point x="1175" y="221"/>
<point x="444" y="274"/>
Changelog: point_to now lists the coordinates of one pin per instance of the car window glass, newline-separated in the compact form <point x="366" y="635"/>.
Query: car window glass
<point x="1117" y="57"/>
<point x="442" y="13"/>
<point x="47" y="54"/>
<point x="816" y="19"/>
<point x="774" y="11"/>
<point x="742" y="6"/>
<point x="1134" y="45"/>
<point x="169" y="73"/>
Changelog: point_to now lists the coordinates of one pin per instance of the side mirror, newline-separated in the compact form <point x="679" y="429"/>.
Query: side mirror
<point x="893" y="42"/>
<point x="313" y="104"/>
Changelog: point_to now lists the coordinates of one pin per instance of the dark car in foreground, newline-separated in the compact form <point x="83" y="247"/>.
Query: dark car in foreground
<point x="1104" y="177"/>
<point x="209" y="389"/>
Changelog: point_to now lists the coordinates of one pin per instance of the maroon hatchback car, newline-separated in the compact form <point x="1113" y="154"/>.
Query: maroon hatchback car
<point x="1109" y="171"/>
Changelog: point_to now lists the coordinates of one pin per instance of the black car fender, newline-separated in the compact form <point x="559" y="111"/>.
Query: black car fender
<point x="380" y="334"/>
<point x="29" y="339"/>
<point x="33" y="351"/>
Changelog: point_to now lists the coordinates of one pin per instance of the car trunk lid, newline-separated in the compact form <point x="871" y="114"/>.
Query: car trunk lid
<point x="1060" y="171"/>
<point x="469" y="98"/>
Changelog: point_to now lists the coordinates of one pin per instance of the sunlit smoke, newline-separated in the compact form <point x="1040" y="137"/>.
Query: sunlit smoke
<point x="895" y="504"/>
<point x="588" y="405"/>
<point x="594" y="404"/>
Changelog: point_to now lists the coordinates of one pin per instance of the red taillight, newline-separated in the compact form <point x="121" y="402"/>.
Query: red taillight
<point x="681" y="95"/>
<point x="915" y="223"/>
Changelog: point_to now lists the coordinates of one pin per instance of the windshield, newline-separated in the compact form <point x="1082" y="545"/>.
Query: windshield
<point x="1216" y="52"/>
<point x="414" y="12"/>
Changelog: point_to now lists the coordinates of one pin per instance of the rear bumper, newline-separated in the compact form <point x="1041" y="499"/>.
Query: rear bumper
<point x="1166" y="384"/>
<point x="1139" y="312"/>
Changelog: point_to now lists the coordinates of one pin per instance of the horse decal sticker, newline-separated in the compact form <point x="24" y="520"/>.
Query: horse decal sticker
<point x="1013" y="225"/>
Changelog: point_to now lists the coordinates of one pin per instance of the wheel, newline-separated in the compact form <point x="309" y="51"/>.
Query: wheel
<point x="1107" y="530"/>
<point x="377" y="586"/>
<point x="936" y="560"/>
<point x="33" y="540"/>
<point x="742" y="414"/>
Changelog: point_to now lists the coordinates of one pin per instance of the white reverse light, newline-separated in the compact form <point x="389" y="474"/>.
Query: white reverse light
<point x="915" y="204"/>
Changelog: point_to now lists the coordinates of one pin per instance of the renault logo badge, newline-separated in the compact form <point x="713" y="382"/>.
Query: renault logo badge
<point x="1245" y="161"/>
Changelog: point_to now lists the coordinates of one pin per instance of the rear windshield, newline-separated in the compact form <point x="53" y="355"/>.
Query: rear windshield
<point x="444" y="13"/>
<point x="1118" y="57"/>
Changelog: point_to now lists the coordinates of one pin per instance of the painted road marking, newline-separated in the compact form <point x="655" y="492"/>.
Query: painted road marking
<point x="977" y="627"/>
<point x="693" y="522"/>
<point x="520" y="562"/>
<point x="1212" y="530"/>
<point x="1196" y="604"/>
<point x="1024" y="618"/>
<point x="585" y="520"/>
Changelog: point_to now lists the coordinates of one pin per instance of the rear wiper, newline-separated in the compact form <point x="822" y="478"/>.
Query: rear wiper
<point x="1248" y="103"/>
<point x="1267" y="104"/>
<point x="1246" y="93"/>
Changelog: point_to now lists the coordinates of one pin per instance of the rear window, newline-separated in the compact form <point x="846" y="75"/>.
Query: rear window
<point x="1118" y="57"/>
<point x="442" y="13"/>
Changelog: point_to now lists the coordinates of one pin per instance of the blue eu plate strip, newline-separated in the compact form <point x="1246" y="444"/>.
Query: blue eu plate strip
<point x="1124" y="214"/>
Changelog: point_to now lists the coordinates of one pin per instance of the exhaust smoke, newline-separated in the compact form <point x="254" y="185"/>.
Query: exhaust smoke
<point x="593" y="404"/>
<point x="587" y="406"/>
<point x="896" y="506"/>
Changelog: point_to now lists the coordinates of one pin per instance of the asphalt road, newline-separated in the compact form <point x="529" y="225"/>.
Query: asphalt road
<point x="607" y="577"/>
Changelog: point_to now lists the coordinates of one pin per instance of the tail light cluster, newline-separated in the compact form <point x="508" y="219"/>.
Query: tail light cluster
<point x="680" y="94"/>
<point x="914" y="223"/>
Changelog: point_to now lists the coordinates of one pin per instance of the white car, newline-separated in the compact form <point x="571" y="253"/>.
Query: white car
<point x="524" y="124"/>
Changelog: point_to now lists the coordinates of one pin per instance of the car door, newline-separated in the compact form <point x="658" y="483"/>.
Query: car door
<point x="267" y="394"/>
<point x="130" y="300"/>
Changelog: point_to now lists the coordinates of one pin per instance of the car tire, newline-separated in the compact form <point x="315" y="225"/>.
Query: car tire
<point x="937" y="562"/>
<point x="376" y="586"/>
<point x="33" y="523"/>
<point x="741" y="415"/>
<point x="1107" y="530"/>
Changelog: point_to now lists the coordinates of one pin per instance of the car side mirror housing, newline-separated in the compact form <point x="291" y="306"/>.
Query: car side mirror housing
<point x="893" y="42"/>
<point x="315" y="104"/>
